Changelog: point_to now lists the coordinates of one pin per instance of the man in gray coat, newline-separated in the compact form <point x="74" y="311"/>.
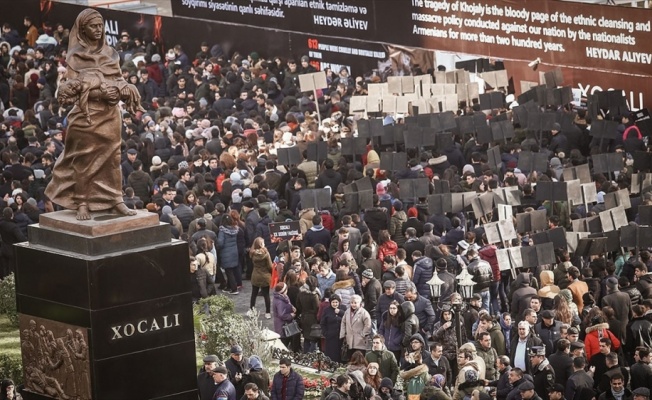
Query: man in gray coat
<point x="620" y="302"/>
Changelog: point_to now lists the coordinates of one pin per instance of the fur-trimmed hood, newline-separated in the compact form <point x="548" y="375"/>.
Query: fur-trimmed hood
<point x="596" y="327"/>
<point x="416" y="371"/>
<point x="348" y="283"/>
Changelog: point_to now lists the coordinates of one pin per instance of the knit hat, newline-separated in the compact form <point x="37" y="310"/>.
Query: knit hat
<point x="412" y="212"/>
<point x="398" y="205"/>
<point x="156" y="161"/>
<point x="156" y="58"/>
<point x="468" y="168"/>
<point x="367" y="274"/>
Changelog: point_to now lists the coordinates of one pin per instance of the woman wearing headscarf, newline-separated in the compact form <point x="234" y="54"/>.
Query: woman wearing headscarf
<point x="258" y="374"/>
<point x="330" y="322"/>
<point x="437" y="389"/>
<point x="284" y="311"/>
<point x="87" y="175"/>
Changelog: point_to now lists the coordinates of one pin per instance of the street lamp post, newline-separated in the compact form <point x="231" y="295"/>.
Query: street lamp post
<point x="435" y="290"/>
<point x="465" y="287"/>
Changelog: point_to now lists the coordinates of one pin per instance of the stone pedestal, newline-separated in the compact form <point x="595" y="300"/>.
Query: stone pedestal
<point x="105" y="309"/>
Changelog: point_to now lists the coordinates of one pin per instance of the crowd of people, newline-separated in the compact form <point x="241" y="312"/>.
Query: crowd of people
<point x="355" y="284"/>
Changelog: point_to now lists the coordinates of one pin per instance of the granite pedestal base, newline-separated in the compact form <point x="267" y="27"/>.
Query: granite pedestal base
<point x="105" y="310"/>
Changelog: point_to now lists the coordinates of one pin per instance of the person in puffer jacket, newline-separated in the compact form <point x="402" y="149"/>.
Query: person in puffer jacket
<point x="229" y="243"/>
<point x="482" y="275"/>
<point x="396" y="223"/>
<point x="343" y="287"/>
<point x="410" y="323"/>
<point x="423" y="270"/>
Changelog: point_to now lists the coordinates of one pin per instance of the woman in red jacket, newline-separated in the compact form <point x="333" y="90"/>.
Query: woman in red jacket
<point x="599" y="329"/>
<point x="387" y="247"/>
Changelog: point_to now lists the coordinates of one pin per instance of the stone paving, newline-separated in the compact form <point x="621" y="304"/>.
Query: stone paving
<point x="242" y="303"/>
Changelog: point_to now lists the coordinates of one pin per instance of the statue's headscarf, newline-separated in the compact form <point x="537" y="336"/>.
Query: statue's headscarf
<point x="77" y="35"/>
<point x="81" y="56"/>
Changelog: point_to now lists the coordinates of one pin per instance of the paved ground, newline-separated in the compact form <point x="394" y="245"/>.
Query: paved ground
<point x="242" y="303"/>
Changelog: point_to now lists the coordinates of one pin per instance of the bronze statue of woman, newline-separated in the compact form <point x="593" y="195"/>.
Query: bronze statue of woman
<point x="87" y="175"/>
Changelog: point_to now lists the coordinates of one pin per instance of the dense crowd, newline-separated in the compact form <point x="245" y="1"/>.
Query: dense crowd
<point x="355" y="283"/>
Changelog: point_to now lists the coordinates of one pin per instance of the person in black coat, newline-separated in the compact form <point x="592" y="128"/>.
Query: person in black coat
<point x="377" y="218"/>
<point x="238" y="367"/>
<point x="454" y="235"/>
<point x="502" y="385"/>
<point x="412" y="244"/>
<point x="328" y="177"/>
<point x="641" y="372"/>
<point x="561" y="361"/>
<point x="548" y="330"/>
<point x="559" y="142"/>
<point x="205" y="381"/>
<point x="441" y="224"/>
<point x="438" y="364"/>
<point x="578" y="381"/>
<point x="317" y="233"/>
<point x="526" y="338"/>
<point x="330" y="323"/>
<point x="542" y="373"/>
<point x="10" y="234"/>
